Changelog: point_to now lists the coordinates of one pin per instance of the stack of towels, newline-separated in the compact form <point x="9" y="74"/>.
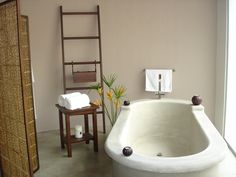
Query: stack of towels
<point x="74" y="100"/>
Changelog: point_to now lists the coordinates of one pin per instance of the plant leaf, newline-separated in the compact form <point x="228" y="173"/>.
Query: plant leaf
<point x="109" y="81"/>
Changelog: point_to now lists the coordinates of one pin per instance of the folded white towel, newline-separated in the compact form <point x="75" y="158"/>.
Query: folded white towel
<point x="61" y="98"/>
<point x="152" y="80"/>
<point x="77" y="101"/>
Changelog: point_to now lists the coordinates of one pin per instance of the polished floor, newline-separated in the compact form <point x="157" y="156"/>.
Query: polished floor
<point x="84" y="162"/>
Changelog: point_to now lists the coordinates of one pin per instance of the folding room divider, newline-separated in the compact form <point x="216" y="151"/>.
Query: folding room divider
<point x="18" y="144"/>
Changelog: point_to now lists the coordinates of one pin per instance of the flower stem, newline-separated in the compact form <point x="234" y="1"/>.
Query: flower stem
<point x="107" y="113"/>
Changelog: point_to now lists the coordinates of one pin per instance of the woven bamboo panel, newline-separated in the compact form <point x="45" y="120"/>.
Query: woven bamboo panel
<point x="29" y="115"/>
<point x="24" y="39"/>
<point x="27" y="92"/>
<point x="28" y="104"/>
<point x="3" y="38"/>
<point x="12" y="77"/>
<point x="2" y="19"/>
<point x="22" y="148"/>
<point x="12" y="53"/>
<point x="27" y="77"/>
<point x="11" y="24"/>
<point x="32" y="138"/>
<point x="2" y="53"/>
<point x="20" y="130"/>
<point x="35" y="161"/>
<point x="13" y="139"/>
<point x="26" y="62"/>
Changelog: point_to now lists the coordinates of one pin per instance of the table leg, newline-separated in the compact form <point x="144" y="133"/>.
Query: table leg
<point x="61" y="129"/>
<point x="95" y="135"/>
<point x="68" y="136"/>
<point x="103" y="121"/>
<point x="86" y="126"/>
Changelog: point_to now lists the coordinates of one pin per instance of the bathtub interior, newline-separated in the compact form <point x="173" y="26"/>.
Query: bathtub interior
<point x="163" y="130"/>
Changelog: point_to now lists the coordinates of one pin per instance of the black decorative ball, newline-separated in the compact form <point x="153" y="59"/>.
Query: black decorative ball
<point x="196" y="100"/>
<point x="127" y="151"/>
<point x="126" y="103"/>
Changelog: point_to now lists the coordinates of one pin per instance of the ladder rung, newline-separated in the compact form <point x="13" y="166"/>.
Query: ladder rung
<point x="79" y="13"/>
<point x="78" y="88"/>
<point x="82" y="63"/>
<point x="81" y="37"/>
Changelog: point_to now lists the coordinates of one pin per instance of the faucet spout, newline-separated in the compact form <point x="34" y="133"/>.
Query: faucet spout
<point x="159" y="88"/>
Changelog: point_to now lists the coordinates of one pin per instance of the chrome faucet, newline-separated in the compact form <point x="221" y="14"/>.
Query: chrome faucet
<point x="159" y="88"/>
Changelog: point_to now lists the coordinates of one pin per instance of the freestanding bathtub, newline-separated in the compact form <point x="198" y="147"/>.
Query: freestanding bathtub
<point x="169" y="138"/>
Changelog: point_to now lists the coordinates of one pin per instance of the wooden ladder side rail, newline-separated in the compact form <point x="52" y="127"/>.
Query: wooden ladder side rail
<point x="62" y="49"/>
<point x="101" y="68"/>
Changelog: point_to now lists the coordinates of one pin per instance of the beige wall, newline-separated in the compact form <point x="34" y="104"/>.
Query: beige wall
<point x="136" y="34"/>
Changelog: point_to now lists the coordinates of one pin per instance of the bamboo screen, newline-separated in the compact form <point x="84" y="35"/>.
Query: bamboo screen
<point x="13" y="138"/>
<point x="27" y="90"/>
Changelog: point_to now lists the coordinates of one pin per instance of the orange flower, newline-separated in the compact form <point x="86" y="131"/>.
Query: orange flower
<point x="122" y="91"/>
<point x="117" y="103"/>
<point x="97" y="102"/>
<point x="119" y="91"/>
<point x="100" y="91"/>
<point x="109" y="95"/>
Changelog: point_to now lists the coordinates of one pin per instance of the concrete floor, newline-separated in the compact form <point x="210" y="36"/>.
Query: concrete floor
<point x="84" y="162"/>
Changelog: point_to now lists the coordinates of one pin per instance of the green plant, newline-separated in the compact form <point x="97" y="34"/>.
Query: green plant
<point x="114" y="96"/>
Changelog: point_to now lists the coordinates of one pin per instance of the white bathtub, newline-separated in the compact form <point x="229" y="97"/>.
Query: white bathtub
<point x="188" y="142"/>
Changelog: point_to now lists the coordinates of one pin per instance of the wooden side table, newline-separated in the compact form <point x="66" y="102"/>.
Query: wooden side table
<point x="68" y="139"/>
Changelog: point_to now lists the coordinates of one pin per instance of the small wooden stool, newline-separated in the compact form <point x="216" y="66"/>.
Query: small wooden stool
<point x="68" y="139"/>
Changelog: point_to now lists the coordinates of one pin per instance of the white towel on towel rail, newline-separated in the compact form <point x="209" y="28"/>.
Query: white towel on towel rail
<point x="152" y="80"/>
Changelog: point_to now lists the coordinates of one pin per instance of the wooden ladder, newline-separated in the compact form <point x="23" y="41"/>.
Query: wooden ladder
<point x="96" y="62"/>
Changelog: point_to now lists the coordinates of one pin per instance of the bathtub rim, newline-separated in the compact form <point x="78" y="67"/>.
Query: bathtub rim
<point x="210" y="156"/>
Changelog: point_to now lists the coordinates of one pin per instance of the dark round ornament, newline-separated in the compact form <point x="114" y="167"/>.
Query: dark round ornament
<point x="126" y="103"/>
<point x="196" y="100"/>
<point x="127" y="151"/>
